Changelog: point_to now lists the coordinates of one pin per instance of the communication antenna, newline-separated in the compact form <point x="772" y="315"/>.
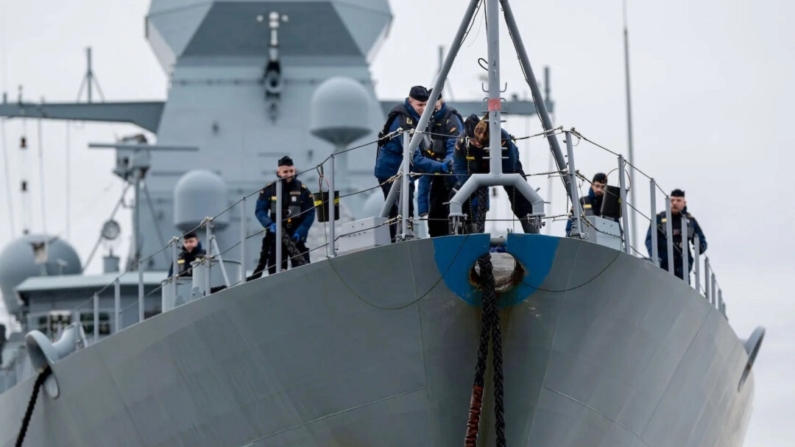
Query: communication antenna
<point x="632" y="217"/>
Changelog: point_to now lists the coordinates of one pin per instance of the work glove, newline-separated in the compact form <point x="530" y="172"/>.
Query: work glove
<point x="449" y="165"/>
<point x="299" y="235"/>
<point x="272" y="228"/>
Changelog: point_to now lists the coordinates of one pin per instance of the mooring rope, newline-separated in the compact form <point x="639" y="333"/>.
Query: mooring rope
<point x="490" y="326"/>
<point x="32" y="403"/>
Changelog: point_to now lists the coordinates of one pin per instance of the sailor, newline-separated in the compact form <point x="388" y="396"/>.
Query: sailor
<point x="678" y="208"/>
<point x="471" y="157"/>
<point x="390" y="150"/>
<point x="592" y="203"/>
<point x="433" y="191"/>
<point x="298" y="214"/>
<point x="191" y="251"/>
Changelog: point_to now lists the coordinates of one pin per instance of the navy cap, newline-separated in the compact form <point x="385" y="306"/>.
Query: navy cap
<point x="600" y="177"/>
<point x="677" y="193"/>
<point x="419" y="93"/>
<point x="430" y="91"/>
<point x="285" y="161"/>
<point x="190" y="234"/>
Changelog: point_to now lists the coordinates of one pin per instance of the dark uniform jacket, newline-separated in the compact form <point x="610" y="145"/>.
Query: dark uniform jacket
<point x="446" y="121"/>
<point x="184" y="258"/>
<point x="693" y="228"/>
<point x="390" y="151"/>
<point x="298" y="211"/>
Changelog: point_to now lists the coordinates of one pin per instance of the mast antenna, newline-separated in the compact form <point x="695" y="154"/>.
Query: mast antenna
<point x="631" y="155"/>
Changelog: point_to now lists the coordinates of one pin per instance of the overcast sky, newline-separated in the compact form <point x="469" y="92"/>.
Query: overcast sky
<point x="712" y="98"/>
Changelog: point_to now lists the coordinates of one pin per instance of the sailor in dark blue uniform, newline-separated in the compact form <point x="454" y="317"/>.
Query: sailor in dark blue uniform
<point x="433" y="191"/>
<point x="390" y="150"/>
<point x="678" y="208"/>
<point x="191" y="251"/>
<point x="298" y="214"/>
<point x="470" y="158"/>
<point x="592" y="203"/>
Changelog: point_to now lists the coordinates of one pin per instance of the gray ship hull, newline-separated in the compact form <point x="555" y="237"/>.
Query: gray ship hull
<point x="378" y="348"/>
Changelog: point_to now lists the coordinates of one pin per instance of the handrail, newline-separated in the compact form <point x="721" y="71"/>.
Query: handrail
<point x="712" y="292"/>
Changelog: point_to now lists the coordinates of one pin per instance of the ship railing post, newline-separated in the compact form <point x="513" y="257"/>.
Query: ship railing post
<point x="140" y="291"/>
<point x="684" y="245"/>
<point x="696" y="263"/>
<point x="175" y="268"/>
<point x="279" y="225"/>
<point x="208" y="227"/>
<point x="243" y="230"/>
<point x="655" y="250"/>
<point x="332" y="252"/>
<point x="669" y="236"/>
<point x="96" y="317"/>
<point x="714" y="295"/>
<point x="576" y="229"/>
<point x="624" y="217"/>
<point x="117" y="304"/>
<point x="706" y="277"/>
<point x="721" y="303"/>
<point x="404" y="189"/>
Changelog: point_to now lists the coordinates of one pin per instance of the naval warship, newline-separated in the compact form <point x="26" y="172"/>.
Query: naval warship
<point x="579" y="341"/>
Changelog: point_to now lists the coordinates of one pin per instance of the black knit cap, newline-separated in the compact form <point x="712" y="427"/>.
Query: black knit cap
<point x="677" y="193"/>
<point x="430" y="91"/>
<point x="419" y="93"/>
<point x="285" y="161"/>
<point x="190" y="234"/>
<point x="470" y="123"/>
<point x="600" y="177"/>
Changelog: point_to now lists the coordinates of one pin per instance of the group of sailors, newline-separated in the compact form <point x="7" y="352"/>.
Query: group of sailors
<point x="451" y="150"/>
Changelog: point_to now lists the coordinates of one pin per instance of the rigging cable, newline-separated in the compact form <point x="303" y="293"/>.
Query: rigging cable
<point x="9" y="196"/>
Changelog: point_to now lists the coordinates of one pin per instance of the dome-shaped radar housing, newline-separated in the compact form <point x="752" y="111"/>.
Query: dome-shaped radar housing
<point x="33" y="255"/>
<point x="199" y="194"/>
<point x="338" y="111"/>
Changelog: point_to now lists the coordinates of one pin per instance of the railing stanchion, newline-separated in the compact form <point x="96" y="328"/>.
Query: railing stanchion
<point x="243" y="231"/>
<point x="669" y="236"/>
<point x="655" y="250"/>
<point x="624" y="207"/>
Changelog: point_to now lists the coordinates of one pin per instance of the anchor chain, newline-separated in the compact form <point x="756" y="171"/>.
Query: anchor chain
<point x="490" y="326"/>
<point x="32" y="403"/>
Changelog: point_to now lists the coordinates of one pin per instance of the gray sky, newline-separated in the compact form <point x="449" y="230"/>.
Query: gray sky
<point x="711" y="86"/>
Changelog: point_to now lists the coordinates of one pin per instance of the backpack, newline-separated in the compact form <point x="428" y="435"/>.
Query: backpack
<point x="399" y="110"/>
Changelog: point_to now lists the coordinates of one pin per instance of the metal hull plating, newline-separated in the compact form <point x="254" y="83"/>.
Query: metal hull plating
<point x="378" y="348"/>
